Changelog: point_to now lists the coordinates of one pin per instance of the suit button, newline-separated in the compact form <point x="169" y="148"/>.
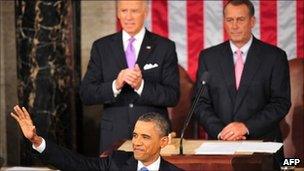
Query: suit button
<point x="131" y="105"/>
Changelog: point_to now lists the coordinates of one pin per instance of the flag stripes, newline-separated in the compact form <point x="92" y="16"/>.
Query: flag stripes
<point x="195" y="25"/>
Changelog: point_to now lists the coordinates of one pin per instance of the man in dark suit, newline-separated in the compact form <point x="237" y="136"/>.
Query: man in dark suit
<point x="130" y="72"/>
<point x="149" y="136"/>
<point x="248" y="93"/>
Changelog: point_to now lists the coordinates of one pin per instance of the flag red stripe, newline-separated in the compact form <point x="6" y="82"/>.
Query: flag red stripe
<point x="195" y="34"/>
<point x="225" y="34"/>
<point x="268" y="18"/>
<point x="300" y="28"/>
<point x="160" y="17"/>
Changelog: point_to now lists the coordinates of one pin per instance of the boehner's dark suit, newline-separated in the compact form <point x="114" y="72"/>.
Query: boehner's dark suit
<point x="262" y="99"/>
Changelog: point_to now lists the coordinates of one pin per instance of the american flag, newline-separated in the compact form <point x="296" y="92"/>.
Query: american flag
<point x="195" y="25"/>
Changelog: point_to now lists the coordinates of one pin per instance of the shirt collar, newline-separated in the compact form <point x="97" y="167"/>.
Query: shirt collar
<point x="244" y="48"/>
<point x="138" y="37"/>
<point x="154" y="166"/>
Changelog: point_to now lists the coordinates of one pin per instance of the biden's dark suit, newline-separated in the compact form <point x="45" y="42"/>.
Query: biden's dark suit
<point x="161" y="83"/>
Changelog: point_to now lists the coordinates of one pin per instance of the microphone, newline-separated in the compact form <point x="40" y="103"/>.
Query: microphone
<point x="204" y="80"/>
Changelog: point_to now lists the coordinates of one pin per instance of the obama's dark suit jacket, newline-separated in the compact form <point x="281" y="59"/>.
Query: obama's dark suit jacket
<point x="65" y="159"/>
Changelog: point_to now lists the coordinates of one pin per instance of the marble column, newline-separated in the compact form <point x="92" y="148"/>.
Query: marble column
<point x="47" y="75"/>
